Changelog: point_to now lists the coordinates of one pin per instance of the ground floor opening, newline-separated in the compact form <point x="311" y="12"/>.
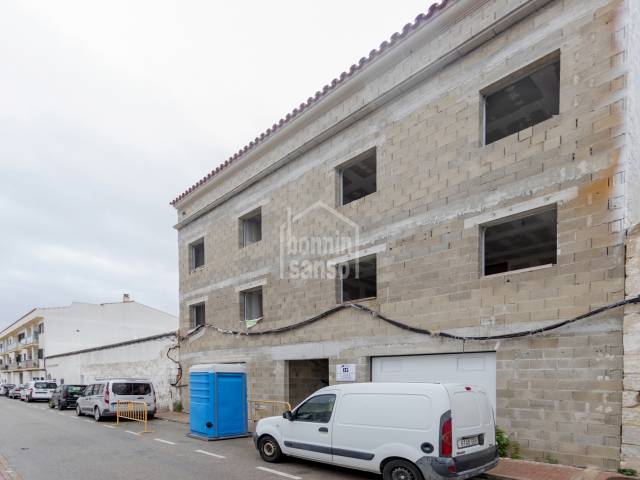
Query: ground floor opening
<point x="305" y="377"/>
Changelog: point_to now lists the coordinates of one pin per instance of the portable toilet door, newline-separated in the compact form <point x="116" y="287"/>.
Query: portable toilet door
<point x="231" y="392"/>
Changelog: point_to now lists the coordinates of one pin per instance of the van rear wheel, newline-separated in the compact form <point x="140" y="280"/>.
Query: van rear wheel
<point x="96" y="414"/>
<point x="401" y="470"/>
<point x="269" y="449"/>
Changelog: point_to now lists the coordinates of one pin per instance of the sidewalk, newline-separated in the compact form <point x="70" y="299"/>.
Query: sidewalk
<point x="509" y="469"/>
<point x="178" y="417"/>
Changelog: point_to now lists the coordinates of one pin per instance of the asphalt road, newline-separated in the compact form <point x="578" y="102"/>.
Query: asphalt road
<point x="42" y="444"/>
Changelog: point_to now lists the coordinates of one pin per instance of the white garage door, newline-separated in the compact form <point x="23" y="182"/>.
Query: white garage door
<point x="469" y="368"/>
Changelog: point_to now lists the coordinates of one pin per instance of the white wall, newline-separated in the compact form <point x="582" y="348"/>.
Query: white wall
<point x="145" y="359"/>
<point x="84" y="325"/>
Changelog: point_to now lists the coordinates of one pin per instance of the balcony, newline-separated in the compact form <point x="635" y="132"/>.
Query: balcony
<point x="23" y="365"/>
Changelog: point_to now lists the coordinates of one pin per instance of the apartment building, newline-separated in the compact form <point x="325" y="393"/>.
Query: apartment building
<point x="27" y="343"/>
<point x="20" y="354"/>
<point x="476" y="175"/>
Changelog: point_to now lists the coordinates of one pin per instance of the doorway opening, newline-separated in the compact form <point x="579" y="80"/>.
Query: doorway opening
<point x="305" y="377"/>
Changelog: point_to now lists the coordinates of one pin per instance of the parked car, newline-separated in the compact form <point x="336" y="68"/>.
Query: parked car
<point x="15" y="391"/>
<point x="38" y="390"/>
<point x="405" y="431"/>
<point x="65" y="396"/>
<point x="99" y="399"/>
<point x="5" y="388"/>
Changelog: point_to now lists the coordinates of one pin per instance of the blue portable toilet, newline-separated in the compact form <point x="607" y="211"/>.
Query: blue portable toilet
<point x="218" y="406"/>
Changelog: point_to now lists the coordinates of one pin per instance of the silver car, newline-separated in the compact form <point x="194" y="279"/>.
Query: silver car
<point x="99" y="399"/>
<point x="15" y="391"/>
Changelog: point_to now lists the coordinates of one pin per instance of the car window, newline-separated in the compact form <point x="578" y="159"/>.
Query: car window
<point x="89" y="390"/>
<point x="45" y="385"/>
<point x="133" y="388"/>
<point x="317" y="409"/>
<point x="75" y="388"/>
<point x="99" y="389"/>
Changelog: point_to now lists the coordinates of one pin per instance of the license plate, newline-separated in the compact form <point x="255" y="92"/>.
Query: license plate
<point x="468" y="442"/>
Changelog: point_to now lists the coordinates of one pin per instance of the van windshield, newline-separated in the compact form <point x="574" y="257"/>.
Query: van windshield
<point x="131" y="388"/>
<point x="46" y="385"/>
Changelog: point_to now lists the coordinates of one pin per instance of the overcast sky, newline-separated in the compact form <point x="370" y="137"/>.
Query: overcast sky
<point x="108" y="110"/>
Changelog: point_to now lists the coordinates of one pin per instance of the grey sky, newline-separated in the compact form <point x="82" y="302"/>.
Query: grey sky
<point x="108" y="110"/>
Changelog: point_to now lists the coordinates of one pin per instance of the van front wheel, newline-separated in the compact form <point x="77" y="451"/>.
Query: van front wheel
<point x="269" y="449"/>
<point x="401" y="470"/>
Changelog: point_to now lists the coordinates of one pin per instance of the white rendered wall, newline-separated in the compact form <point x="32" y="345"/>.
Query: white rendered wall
<point x="146" y="359"/>
<point x="83" y="325"/>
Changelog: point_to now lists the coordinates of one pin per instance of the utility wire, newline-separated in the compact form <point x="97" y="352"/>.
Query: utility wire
<point x="410" y="328"/>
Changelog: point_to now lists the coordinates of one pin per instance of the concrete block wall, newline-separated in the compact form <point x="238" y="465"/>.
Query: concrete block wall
<point x="559" y="395"/>
<point x="630" y="454"/>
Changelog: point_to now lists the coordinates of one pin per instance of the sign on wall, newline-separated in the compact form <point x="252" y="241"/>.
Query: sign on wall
<point x="346" y="372"/>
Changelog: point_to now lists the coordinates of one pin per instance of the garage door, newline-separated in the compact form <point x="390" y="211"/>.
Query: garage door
<point x="469" y="368"/>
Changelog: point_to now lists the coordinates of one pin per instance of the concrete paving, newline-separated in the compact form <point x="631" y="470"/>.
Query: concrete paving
<point x="37" y="443"/>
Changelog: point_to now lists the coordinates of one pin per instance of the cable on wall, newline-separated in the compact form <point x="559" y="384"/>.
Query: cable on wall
<point x="423" y="331"/>
<point x="179" y="375"/>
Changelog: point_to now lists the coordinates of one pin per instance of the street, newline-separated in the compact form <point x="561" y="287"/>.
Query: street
<point x="39" y="443"/>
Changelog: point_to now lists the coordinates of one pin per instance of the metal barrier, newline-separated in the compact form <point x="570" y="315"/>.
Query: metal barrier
<point x="132" y="410"/>
<point x="266" y="408"/>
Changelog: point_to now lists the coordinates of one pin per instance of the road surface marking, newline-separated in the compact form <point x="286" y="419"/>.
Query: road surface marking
<point x="204" y="452"/>
<point x="89" y="421"/>
<point x="108" y="426"/>
<point x="60" y="413"/>
<point x="132" y="433"/>
<point x="164" y="441"/>
<point x="276" y="472"/>
<point x="74" y="418"/>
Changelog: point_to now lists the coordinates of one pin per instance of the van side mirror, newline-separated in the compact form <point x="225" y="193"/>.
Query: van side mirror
<point x="288" y="415"/>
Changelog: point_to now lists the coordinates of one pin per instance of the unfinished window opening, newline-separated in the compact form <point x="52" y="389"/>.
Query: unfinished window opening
<point x="358" y="177"/>
<point x="197" y="315"/>
<point x="251" y="228"/>
<point x="196" y="253"/>
<point x="533" y="98"/>
<point x="529" y="240"/>
<point x="251" y="306"/>
<point x="358" y="279"/>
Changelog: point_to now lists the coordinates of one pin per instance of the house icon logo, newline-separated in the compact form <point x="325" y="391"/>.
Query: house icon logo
<point x="313" y="238"/>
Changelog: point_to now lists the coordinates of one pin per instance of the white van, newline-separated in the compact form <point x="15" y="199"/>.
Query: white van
<point x="408" y="431"/>
<point x="99" y="399"/>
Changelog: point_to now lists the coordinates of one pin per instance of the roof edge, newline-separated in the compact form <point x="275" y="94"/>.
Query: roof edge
<point x="115" y="345"/>
<point x="338" y="81"/>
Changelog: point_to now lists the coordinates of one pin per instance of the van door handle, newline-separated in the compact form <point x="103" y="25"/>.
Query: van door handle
<point x="323" y="429"/>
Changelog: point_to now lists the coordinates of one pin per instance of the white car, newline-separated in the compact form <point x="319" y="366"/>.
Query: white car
<point x="406" y="431"/>
<point x="38" y="390"/>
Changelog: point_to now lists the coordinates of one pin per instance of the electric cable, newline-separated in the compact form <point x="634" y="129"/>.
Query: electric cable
<point x="413" y="329"/>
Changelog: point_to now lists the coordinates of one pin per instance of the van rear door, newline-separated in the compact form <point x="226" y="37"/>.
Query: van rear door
<point x="472" y="418"/>
<point x="136" y="391"/>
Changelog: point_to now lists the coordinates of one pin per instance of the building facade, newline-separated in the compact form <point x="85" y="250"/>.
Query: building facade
<point x="475" y="175"/>
<point x="26" y="344"/>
